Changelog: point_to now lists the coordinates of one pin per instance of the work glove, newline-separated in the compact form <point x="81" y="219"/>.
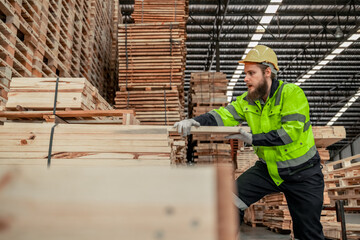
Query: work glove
<point x="184" y="126"/>
<point x="242" y="136"/>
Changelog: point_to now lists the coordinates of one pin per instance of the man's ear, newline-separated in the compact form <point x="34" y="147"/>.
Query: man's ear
<point x="268" y="72"/>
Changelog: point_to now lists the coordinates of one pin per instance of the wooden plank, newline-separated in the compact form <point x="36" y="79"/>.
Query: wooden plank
<point x="97" y="202"/>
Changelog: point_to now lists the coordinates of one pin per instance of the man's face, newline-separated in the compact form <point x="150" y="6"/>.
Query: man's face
<point x="255" y="81"/>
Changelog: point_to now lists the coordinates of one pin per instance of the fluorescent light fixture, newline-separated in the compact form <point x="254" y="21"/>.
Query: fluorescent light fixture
<point x="306" y="76"/>
<point x="344" y="109"/>
<point x="240" y="67"/>
<point x="260" y="29"/>
<point x="272" y="8"/>
<point x="256" y="37"/>
<point x="323" y="62"/>
<point x="298" y="83"/>
<point x="312" y="72"/>
<point x="229" y="99"/>
<point x="345" y="44"/>
<point x="238" y="72"/>
<point x="354" y="37"/>
<point x="338" y="50"/>
<point x="330" y="57"/>
<point x="247" y="50"/>
<point x="235" y="77"/>
<point x="266" y="19"/>
<point x="318" y="67"/>
<point x="232" y="83"/>
<point x="253" y="44"/>
<point x="243" y="57"/>
<point x="276" y="1"/>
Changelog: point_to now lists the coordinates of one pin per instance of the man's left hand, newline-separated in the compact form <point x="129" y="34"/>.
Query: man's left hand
<point x="242" y="136"/>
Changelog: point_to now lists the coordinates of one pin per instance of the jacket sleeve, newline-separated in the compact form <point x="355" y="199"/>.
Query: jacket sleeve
<point x="231" y="115"/>
<point x="294" y="120"/>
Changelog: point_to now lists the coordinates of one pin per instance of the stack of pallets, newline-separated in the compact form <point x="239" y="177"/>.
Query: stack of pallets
<point x="342" y="180"/>
<point x="276" y="215"/>
<point x="208" y="92"/>
<point x="152" y="56"/>
<point x="151" y="71"/>
<point x="56" y="38"/>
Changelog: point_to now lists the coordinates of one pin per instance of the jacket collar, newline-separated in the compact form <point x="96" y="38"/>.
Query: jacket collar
<point x="274" y="86"/>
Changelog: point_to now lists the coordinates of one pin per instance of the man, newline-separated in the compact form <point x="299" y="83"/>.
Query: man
<point x="282" y="137"/>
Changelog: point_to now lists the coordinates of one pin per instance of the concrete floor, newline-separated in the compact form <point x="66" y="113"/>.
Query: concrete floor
<point x="261" y="233"/>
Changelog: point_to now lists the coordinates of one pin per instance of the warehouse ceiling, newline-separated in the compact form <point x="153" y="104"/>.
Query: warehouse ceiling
<point x="317" y="44"/>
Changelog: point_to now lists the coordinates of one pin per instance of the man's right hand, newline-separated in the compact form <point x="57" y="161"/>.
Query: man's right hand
<point x="184" y="126"/>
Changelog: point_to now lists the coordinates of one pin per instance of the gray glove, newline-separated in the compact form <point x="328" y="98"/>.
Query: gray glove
<point x="242" y="136"/>
<point x="184" y="126"/>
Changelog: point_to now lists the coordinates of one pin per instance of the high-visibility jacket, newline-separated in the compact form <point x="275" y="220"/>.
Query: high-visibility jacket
<point x="281" y="128"/>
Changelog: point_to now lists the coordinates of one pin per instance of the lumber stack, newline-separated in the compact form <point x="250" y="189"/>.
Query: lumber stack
<point x="342" y="181"/>
<point x="151" y="71"/>
<point x="84" y="144"/>
<point x="276" y="215"/>
<point x="56" y="38"/>
<point x="146" y="11"/>
<point x="38" y="94"/>
<point x="207" y="92"/>
<point x="254" y="214"/>
<point x="332" y="230"/>
<point x="107" y="202"/>
<point x="245" y="159"/>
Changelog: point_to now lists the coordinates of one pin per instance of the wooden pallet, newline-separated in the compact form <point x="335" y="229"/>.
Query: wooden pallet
<point x="342" y="180"/>
<point x="332" y="230"/>
<point x="58" y="38"/>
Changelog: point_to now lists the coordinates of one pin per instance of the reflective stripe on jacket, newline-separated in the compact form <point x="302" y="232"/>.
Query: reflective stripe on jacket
<point x="284" y="116"/>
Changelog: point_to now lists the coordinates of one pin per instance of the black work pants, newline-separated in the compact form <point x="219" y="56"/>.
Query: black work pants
<point x="304" y="198"/>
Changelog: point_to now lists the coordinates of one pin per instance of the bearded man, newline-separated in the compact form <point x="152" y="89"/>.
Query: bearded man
<point x="281" y="135"/>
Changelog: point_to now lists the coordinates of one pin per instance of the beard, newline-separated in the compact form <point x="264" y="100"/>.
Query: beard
<point x="259" y="91"/>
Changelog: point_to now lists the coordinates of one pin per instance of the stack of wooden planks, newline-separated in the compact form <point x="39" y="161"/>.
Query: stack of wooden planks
<point x="152" y="55"/>
<point x="276" y="215"/>
<point x="38" y="94"/>
<point x="111" y="202"/>
<point x="152" y="73"/>
<point x="146" y="11"/>
<point x="342" y="181"/>
<point x="332" y="230"/>
<point x="207" y="92"/>
<point x="57" y="38"/>
<point x="245" y="159"/>
<point x="84" y="144"/>
<point x="153" y="105"/>
<point x="254" y="214"/>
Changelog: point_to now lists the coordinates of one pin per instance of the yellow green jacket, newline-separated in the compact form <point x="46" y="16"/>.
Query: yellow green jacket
<point x="281" y="128"/>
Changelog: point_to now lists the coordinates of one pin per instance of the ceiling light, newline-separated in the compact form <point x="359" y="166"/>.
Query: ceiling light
<point x="345" y="44"/>
<point x="323" y="62"/>
<point x="253" y="44"/>
<point x="266" y="19"/>
<point x="330" y="57"/>
<point x="312" y="72"/>
<point x="260" y="29"/>
<point x="318" y="67"/>
<point x="354" y="37"/>
<point x="306" y="76"/>
<point x="276" y="1"/>
<point x="338" y="50"/>
<point x="272" y="8"/>
<point x="256" y="37"/>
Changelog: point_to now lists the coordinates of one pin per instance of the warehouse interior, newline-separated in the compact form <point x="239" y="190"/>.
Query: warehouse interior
<point x="90" y="91"/>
